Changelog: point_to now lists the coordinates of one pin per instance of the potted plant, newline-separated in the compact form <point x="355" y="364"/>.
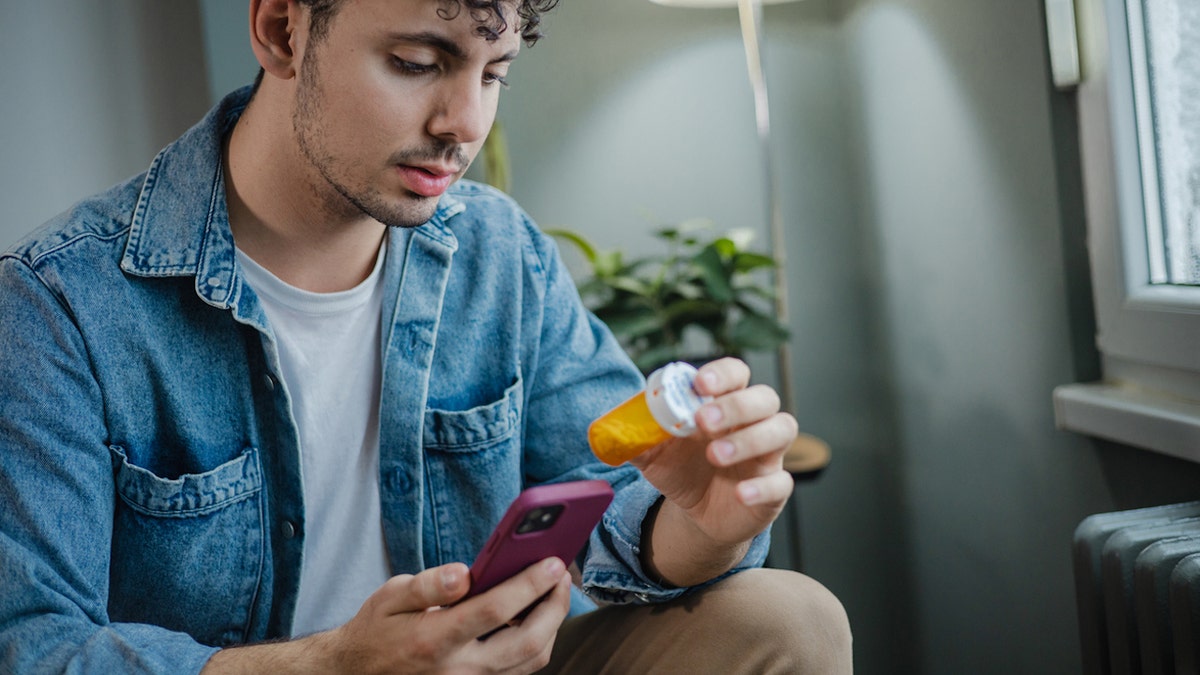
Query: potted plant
<point x="703" y="297"/>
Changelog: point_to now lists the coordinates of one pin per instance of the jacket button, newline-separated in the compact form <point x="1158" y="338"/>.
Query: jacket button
<point x="288" y="529"/>
<point x="399" y="482"/>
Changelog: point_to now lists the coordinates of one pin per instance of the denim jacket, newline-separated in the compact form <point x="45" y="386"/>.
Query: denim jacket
<point x="151" y="507"/>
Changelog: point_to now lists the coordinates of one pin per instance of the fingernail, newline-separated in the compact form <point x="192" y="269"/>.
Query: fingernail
<point x="710" y="381"/>
<point x="724" y="450"/>
<point x="554" y="568"/>
<point x="450" y="578"/>
<point x="749" y="494"/>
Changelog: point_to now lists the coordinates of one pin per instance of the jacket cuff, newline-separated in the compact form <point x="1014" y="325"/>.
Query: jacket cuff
<point x="613" y="572"/>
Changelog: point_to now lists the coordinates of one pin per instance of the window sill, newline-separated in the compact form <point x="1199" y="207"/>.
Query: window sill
<point x="1131" y="415"/>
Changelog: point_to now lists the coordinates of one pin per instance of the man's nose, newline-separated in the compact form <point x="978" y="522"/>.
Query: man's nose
<point x="464" y="113"/>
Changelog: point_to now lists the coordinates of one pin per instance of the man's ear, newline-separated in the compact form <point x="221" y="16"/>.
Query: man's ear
<point x="273" y="34"/>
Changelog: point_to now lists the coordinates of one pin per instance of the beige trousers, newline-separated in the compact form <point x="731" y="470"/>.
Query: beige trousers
<point x="755" y="622"/>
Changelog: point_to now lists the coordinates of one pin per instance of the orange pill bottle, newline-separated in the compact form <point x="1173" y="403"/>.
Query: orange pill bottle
<point x="664" y="410"/>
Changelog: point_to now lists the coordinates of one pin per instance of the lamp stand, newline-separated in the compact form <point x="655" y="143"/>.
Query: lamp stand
<point x="750" y="16"/>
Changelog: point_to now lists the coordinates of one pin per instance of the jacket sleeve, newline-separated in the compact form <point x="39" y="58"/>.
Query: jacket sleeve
<point x="581" y="373"/>
<point x="57" y="501"/>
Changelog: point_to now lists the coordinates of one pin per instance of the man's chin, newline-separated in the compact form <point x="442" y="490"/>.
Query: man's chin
<point x="415" y="212"/>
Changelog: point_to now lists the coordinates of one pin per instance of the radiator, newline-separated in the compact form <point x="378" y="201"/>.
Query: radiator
<point x="1137" y="590"/>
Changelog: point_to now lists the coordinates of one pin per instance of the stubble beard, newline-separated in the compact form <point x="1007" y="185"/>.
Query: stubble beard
<point x="309" y="124"/>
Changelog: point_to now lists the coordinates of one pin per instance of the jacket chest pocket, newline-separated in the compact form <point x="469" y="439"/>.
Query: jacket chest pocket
<point x="473" y="462"/>
<point x="188" y="552"/>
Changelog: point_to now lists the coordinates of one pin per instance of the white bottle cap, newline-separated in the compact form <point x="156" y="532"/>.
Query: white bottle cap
<point x="672" y="400"/>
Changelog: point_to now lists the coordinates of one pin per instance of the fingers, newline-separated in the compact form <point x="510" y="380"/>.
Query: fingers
<point x="406" y="626"/>
<point x="531" y="641"/>
<point x="745" y="419"/>
<point x="721" y="377"/>
<point x="772" y="489"/>
<point x="748" y="431"/>
<point x="737" y="409"/>
<point x="434" y="587"/>
<point x="498" y="606"/>
<point x="549" y="613"/>
<point x="767" y="439"/>
<point x="735" y="403"/>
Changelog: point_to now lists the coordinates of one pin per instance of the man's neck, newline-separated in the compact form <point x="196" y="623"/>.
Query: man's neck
<point x="279" y="217"/>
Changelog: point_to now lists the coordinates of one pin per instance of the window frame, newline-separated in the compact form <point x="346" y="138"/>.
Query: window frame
<point x="1148" y="334"/>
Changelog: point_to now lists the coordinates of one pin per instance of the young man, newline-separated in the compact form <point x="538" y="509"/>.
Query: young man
<point x="263" y="402"/>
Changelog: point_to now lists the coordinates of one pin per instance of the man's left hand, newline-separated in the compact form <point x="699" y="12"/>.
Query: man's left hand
<point x="726" y="483"/>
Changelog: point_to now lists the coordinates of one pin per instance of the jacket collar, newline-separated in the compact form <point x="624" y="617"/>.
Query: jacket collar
<point x="180" y="225"/>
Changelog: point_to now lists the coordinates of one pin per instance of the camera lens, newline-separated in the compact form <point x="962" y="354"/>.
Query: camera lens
<point x="539" y="519"/>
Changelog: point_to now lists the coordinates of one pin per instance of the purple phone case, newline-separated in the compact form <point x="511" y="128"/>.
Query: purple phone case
<point x="508" y="552"/>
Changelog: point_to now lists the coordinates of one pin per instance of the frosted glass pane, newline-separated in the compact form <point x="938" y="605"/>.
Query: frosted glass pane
<point x="1172" y="61"/>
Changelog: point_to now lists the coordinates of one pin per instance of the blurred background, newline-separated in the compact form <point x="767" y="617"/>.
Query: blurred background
<point x="930" y="185"/>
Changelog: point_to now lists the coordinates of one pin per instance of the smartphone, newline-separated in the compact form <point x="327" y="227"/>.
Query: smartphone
<point x="543" y="521"/>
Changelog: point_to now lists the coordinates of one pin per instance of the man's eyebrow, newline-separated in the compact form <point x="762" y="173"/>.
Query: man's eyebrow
<point x="444" y="44"/>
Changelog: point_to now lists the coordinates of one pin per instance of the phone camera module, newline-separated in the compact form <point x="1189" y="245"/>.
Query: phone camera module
<point x="541" y="518"/>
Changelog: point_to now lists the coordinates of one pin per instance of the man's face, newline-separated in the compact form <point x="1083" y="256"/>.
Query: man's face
<point x="394" y="102"/>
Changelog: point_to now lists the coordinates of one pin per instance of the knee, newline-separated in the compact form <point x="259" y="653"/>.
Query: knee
<point x="803" y="619"/>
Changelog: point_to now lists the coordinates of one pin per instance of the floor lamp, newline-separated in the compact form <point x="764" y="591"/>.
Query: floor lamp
<point x="750" y="15"/>
<point x="808" y="455"/>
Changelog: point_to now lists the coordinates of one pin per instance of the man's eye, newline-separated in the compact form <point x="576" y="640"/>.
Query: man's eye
<point x="492" y="78"/>
<point x="413" y="68"/>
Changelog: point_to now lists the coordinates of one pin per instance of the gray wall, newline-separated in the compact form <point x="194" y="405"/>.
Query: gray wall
<point x="231" y="62"/>
<point x="959" y="197"/>
<point x="91" y="92"/>
<point x="929" y="181"/>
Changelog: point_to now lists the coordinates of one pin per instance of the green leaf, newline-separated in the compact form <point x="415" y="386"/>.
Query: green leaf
<point x="758" y="332"/>
<point x="725" y="247"/>
<point x="694" y="310"/>
<point x="689" y="290"/>
<point x="641" y="263"/>
<point x="748" y="262"/>
<point x="630" y="285"/>
<point x="593" y="286"/>
<point x="607" y="263"/>
<point x="650" y="359"/>
<point x="712" y="270"/>
<point x="755" y="290"/>
<point x="585" y="247"/>
<point x="631" y="325"/>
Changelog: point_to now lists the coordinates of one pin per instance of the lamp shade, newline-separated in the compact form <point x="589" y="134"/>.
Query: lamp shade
<point x="711" y="3"/>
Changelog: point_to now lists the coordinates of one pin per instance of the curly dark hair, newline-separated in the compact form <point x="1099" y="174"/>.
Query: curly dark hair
<point x="488" y="14"/>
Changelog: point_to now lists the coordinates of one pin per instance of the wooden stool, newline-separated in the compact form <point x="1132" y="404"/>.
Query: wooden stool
<point x="807" y="457"/>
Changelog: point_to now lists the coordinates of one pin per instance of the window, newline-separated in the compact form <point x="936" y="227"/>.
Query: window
<point x="1139" y="118"/>
<point x="1164" y="49"/>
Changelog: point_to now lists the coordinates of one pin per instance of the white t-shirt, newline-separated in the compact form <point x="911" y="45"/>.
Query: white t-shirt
<point x="329" y="352"/>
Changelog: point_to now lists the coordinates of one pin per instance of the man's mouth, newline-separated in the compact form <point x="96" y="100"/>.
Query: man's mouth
<point x="427" y="181"/>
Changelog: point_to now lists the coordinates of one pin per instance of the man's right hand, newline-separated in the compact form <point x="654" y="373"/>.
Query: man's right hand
<point x="407" y="627"/>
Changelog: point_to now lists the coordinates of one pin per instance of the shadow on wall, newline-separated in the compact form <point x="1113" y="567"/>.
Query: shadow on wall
<point x="1137" y="478"/>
